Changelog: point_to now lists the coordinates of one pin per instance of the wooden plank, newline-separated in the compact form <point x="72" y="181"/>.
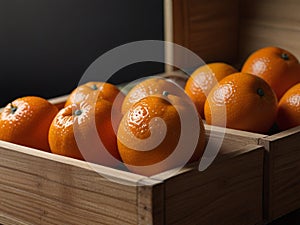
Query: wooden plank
<point x="168" y="31"/>
<point x="267" y="181"/>
<point x="208" y="28"/>
<point x="150" y="201"/>
<point x="234" y="136"/>
<point x="42" y="188"/>
<point x="228" y="192"/>
<point x="267" y="23"/>
<point x="282" y="173"/>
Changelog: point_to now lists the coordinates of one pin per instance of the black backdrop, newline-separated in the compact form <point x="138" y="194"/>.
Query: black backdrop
<point x="46" y="45"/>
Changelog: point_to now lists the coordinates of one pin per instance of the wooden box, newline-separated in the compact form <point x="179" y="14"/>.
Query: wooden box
<point x="43" y="188"/>
<point x="281" y="169"/>
<point x="229" y="31"/>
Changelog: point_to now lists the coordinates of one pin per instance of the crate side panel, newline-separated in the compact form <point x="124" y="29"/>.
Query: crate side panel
<point x="285" y="173"/>
<point x="208" y="28"/>
<point x="151" y="204"/>
<point x="228" y="192"/>
<point x="267" y="23"/>
<point x="233" y="137"/>
<point x="43" y="191"/>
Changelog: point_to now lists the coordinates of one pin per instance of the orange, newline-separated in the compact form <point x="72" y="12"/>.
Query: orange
<point x="203" y="80"/>
<point x="150" y="132"/>
<point x="26" y="121"/>
<point x="249" y="102"/>
<point x="96" y="90"/>
<point x="85" y="131"/>
<point x="278" y="67"/>
<point x="150" y="86"/>
<point x="289" y="109"/>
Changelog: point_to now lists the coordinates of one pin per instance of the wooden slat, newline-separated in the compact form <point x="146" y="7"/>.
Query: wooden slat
<point x="269" y="22"/>
<point x="228" y="192"/>
<point x="168" y="32"/>
<point x="151" y="205"/>
<point x="282" y="173"/>
<point x="208" y="28"/>
<point x="43" y="188"/>
<point x="234" y="136"/>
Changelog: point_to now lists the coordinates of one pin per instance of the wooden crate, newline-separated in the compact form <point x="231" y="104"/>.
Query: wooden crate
<point x="229" y="31"/>
<point x="42" y="188"/>
<point x="281" y="169"/>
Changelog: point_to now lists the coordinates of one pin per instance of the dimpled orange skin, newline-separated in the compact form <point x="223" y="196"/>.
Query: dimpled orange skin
<point x="73" y="124"/>
<point x="203" y="80"/>
<point x="150" y="86"/>
<point x="137" y="123"/>
<point x="278" y="67"/>
<point x="95" y="90"/>
<point x="26" y="121"/>
<point x="289" y="109"/>
<point x="251" y="104"/>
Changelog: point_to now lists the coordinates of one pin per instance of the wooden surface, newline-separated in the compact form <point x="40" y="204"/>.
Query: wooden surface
<point x="234" y="136"/>
<point x="231" y="30"/>
<point x="228" y="192"/>
<point x="269" y="22"/>
<point x="208" y="28"/>
<point x="233" y="183"/>
<point x="43" y="188"/>
<point x="281" y="167"/>
<point x="282" y="172"/>
<point x="151" y="204"/>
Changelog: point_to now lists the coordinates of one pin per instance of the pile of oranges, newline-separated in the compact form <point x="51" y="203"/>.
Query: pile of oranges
<point x="99" y="124"/>
<point x="264" y="95"/>
<point x="158" y="125"/>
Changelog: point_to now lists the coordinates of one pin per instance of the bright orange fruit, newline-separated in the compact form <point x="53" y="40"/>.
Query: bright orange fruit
<point x="26" y="121"/>
<point x="277" y="66"/>
<point x="203" y="80"/>
<point x="249" y="102"/>
<point x="95" y="90"/>
<point x="150" y="86"/>
<point x="142" y="140"/>
<point x="289" y="109"/>
<point x="85" y="131"/>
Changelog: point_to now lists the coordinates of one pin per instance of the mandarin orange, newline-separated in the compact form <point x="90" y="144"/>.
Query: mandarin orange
<point x="277" y="66"/>
<point x="242" y="101"/>
<point x="26" y="121"/>
<point x="151" y="130"/>
<point x="95" y="90"/>
<point x="85" y="131"/>
<point x="203" y="80"/>
<point x="289" y="109"/>
<point x="149" y="86"/>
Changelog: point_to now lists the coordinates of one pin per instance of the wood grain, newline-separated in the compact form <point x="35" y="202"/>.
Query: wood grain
<point x="228" y="192"/>
<point x="233" y="136"/>
<point x="208" y="28"/>
<point x="267" y="23"/>
<point x="42" y="188"/>
<point x="151" y="204"/>
<point x="282" y="172"/>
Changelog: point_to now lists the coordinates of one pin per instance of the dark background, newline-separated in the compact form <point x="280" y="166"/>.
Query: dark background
<point x="46" y="45"/>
